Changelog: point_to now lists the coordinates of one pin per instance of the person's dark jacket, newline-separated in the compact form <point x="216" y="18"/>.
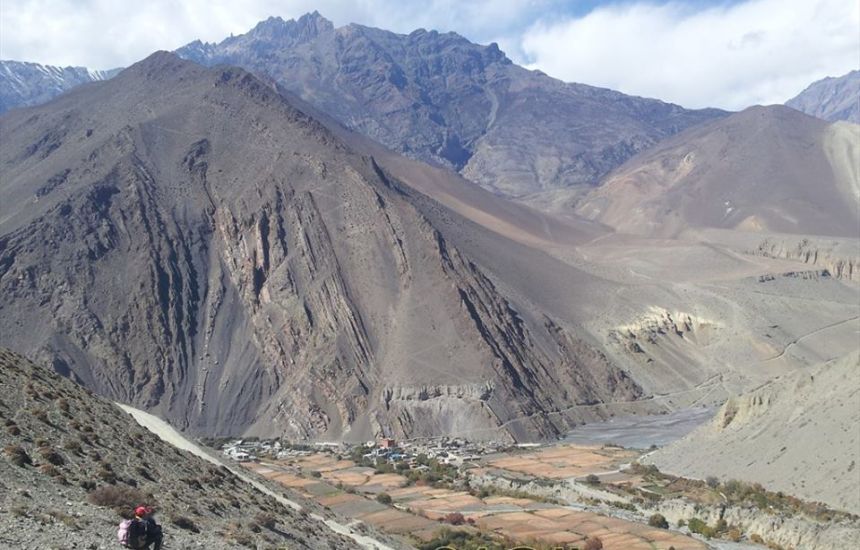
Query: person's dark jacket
<point x="145" y="532"/>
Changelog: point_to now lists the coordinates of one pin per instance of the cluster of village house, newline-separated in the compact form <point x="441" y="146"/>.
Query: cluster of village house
<point x="453" y="451"/>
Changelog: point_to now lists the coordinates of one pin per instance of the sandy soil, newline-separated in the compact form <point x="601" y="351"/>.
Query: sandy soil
<point x="797" y="434"/>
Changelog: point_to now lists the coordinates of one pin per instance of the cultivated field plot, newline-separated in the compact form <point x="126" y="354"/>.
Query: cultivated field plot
<point x="351" y="505"/>
<point x="566" y="461"/>
<point x="420" y="511"/>
<point x="562" y="526"/>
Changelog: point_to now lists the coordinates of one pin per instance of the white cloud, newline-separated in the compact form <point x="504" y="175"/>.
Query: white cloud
<point x="730" y="56"/>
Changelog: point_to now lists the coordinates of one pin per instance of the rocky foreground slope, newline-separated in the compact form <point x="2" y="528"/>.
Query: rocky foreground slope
<point x="440" y="98"/>
<point x="186" y="240"/>
<point x="798" y="434"/>
<point x="73" y="464"/>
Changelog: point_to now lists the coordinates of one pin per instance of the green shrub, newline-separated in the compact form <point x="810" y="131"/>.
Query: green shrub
<point x="461" y="540"/>
<point x="50" y="455"/>
<point x="455" y="518"/>
<point x="264" y="519"/>
<point x="700" y="527"/>
<point x="657" y="520"/>
<point x="122" y="499"/>
<point x="17" y="455"/>
<point x="73" y="446"/>
<point x="41" y="415"/>
<point x="384" y="498"/>
<point x="184" y="522"/>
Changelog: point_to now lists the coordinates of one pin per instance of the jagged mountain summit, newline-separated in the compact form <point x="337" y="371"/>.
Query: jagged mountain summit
<point x="187" y="240"/>
<point x="23" y="84"/>
<point x="832" y="98"/>
<point x="765" y="169"/>
<point x="72" y="465"/>
<point x="440" y="98"/>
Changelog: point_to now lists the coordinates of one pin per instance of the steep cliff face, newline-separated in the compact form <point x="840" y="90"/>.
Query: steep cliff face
<point x="839" y="259"/>
<point x="186" y="240"/>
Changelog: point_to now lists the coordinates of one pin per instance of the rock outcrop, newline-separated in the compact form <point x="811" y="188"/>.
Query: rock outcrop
<point x="785" y="530"/>
<point x="838" y="259"/>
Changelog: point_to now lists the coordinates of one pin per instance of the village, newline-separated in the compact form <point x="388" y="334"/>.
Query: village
<point x="448" y="451"/>
<point x="427" y="491"/>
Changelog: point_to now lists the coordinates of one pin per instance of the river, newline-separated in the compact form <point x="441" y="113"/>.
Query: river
<point x="640" y="432"/>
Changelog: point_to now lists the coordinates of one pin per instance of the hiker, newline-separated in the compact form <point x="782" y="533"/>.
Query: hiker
<point x="142" y="532"/>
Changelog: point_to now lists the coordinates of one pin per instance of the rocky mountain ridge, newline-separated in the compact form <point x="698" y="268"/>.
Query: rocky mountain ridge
<point x="831" y="98"/>
<point x="440" y="98"/>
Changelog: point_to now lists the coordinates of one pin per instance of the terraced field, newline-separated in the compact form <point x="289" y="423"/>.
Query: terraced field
<point x="420" y="511"/>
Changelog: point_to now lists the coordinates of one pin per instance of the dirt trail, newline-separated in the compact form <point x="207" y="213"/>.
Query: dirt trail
<point x="169" y="434"/>
<point x="807" y="335"/>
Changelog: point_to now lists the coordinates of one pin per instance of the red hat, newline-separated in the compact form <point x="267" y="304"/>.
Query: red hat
<point x="141" y="511"/>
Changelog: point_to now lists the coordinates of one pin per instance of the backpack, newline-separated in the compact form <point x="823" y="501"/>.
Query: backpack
<point x="124" y="532"/>
<point x="130" y="532"/>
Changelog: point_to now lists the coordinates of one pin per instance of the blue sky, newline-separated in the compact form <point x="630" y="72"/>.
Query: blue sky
<point x="697" y="53"/>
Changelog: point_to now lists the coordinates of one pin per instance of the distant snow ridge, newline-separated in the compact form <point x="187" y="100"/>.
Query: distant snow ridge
<point x="23" y="84"/>
<point x="832" y="98"/>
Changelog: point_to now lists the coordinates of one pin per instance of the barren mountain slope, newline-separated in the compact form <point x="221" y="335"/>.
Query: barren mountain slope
<point x="72" y="462"/>
<point x="764" y="169"/>
<point x="797" y="434"/>
<point x="186" y="240"/>
<point x="440" y="98"/>
<point x="832" y="98"/>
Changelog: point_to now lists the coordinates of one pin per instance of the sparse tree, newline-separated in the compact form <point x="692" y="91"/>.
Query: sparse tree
<point x="593" y="543"/>
<point x="657" y="520"/>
